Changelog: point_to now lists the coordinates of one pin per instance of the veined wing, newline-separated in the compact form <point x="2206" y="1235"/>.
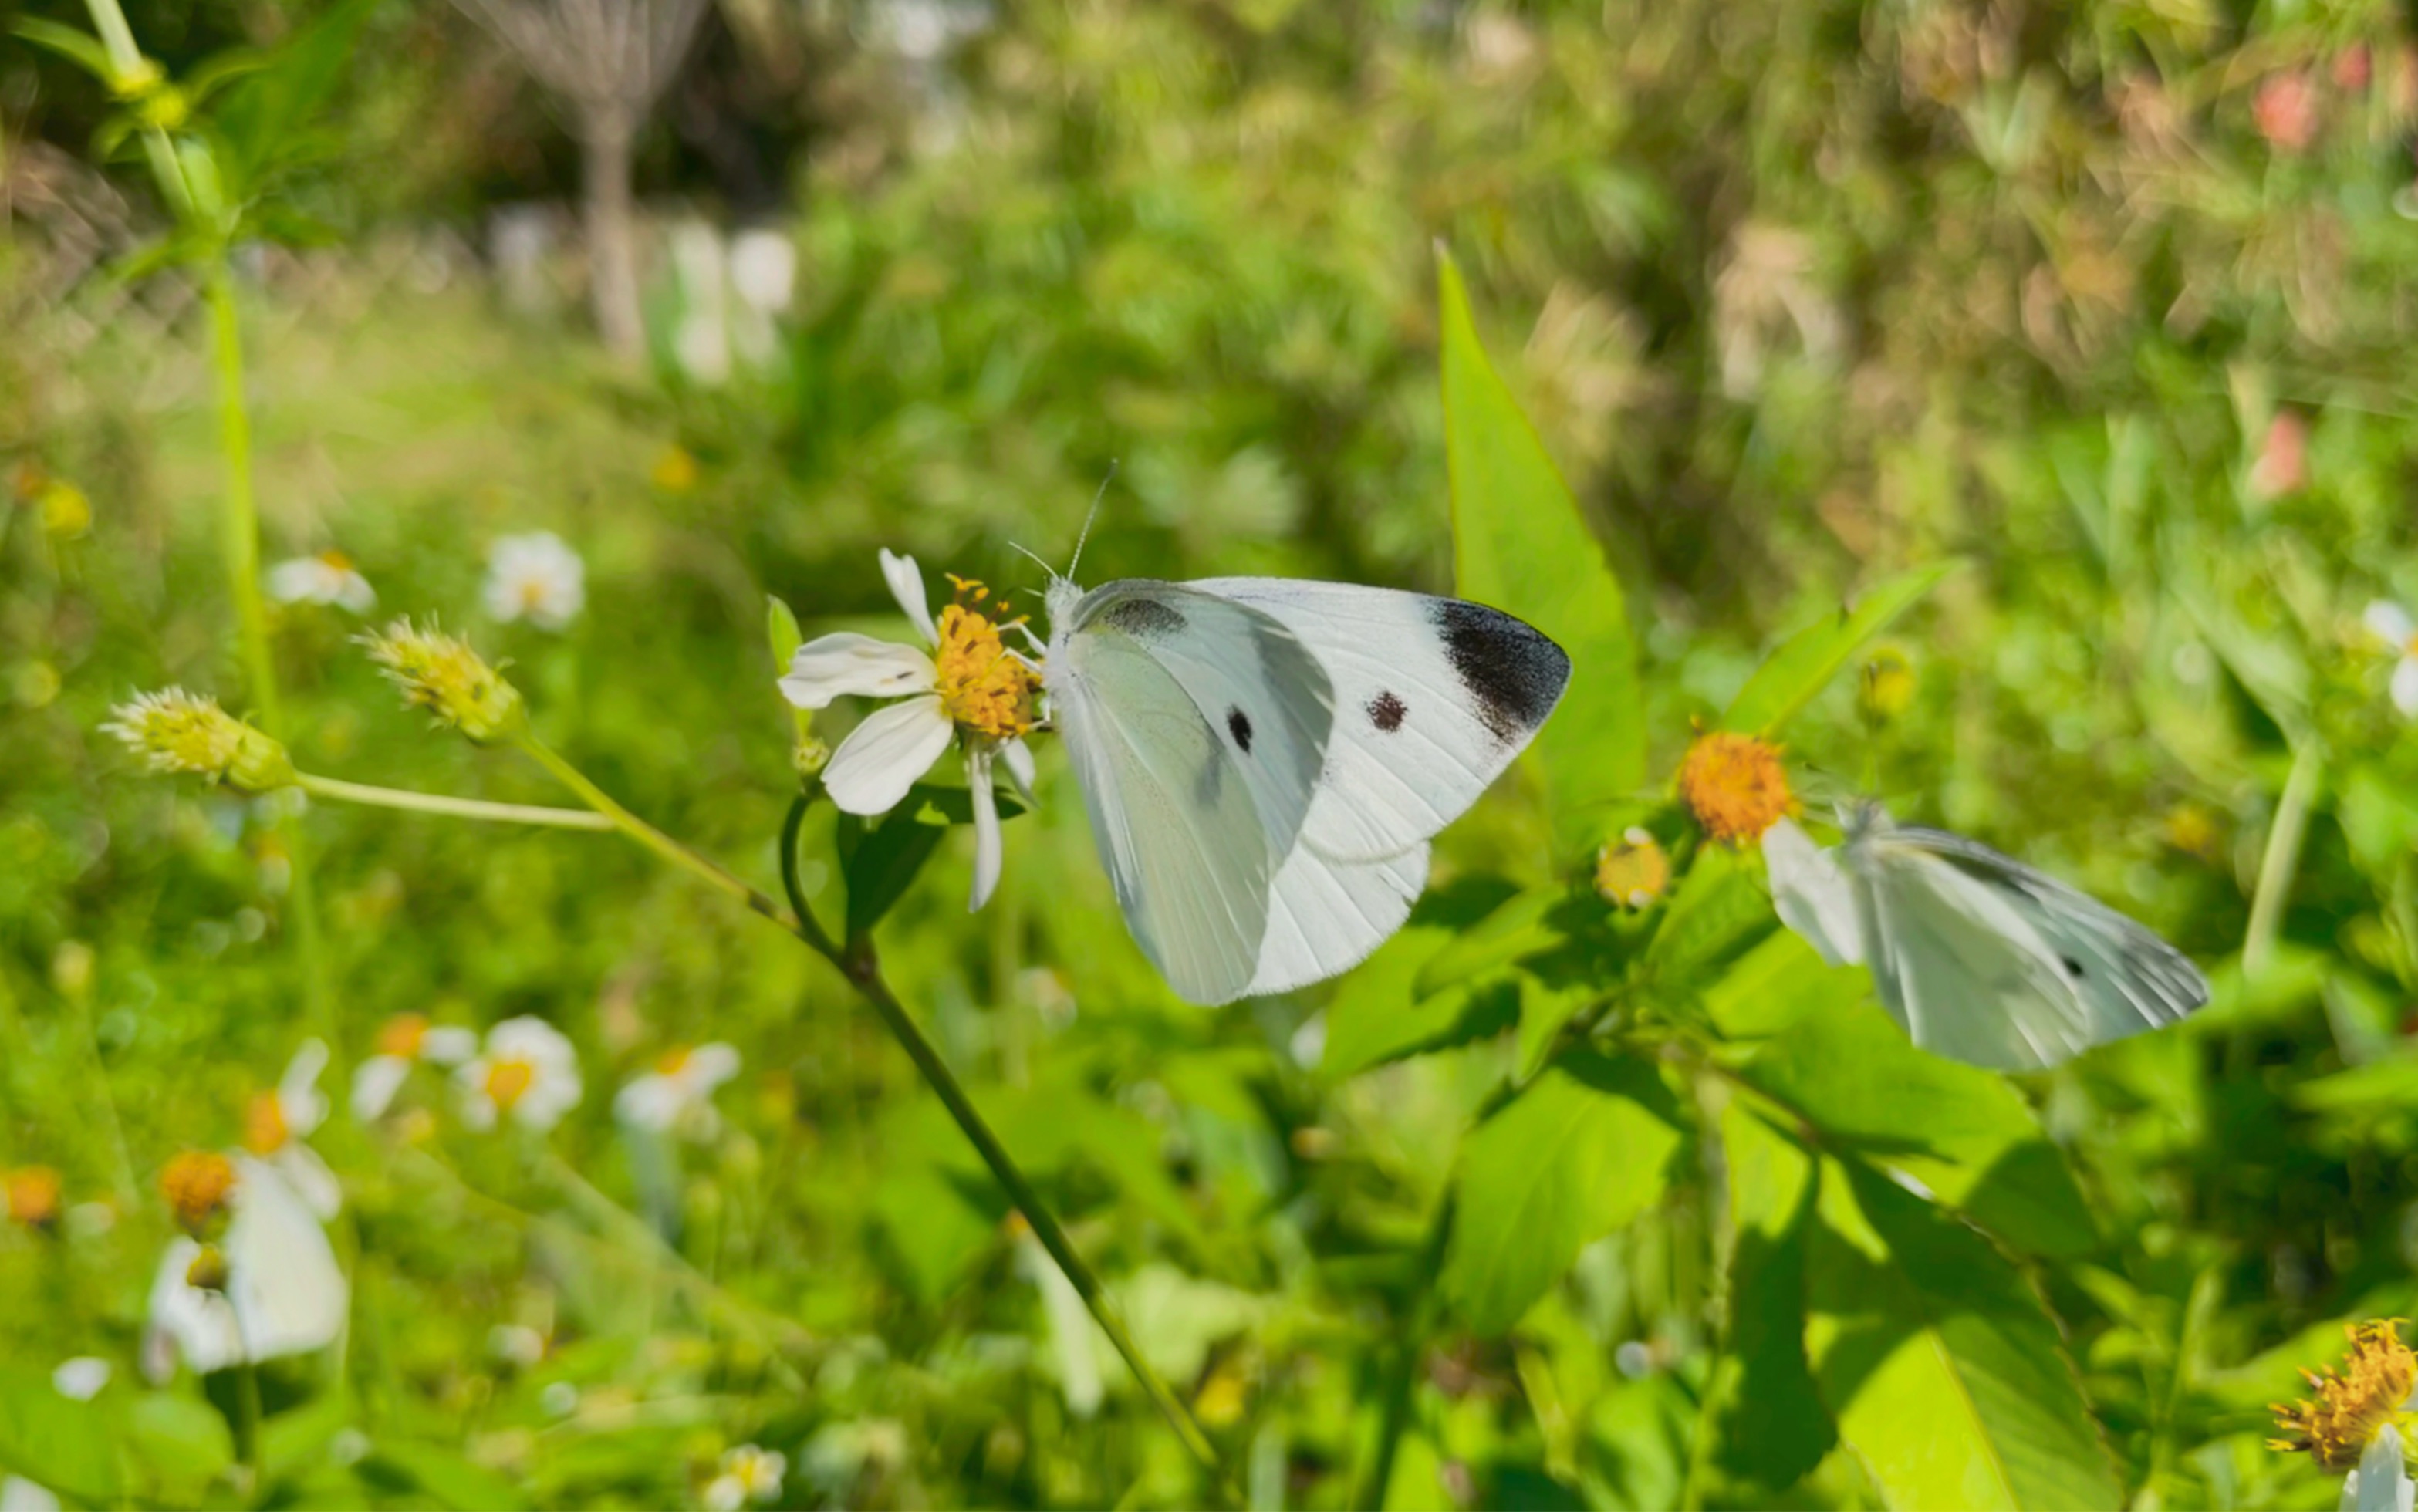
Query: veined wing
<point x="1326" y="915"/>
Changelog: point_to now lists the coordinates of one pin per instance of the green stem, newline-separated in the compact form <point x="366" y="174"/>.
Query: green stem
<point x="460" y="808"/>
<point x="247" y="1423"/>
<point x="240" y="522"/>
<point x="2281" y="858"/>
<point x="1403" y="1369"/>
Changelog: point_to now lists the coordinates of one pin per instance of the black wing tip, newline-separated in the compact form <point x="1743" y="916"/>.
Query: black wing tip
<point x="1514" y="672"/>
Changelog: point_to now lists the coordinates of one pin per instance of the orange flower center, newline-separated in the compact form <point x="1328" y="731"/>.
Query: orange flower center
<point x="2352" y="1406"/>
<point x="981" y="687"/>
<point x="670" y="1063"/>
<point x="1734" y="785"/>
<point x="400" y="1035"/>
<point x="32" y="1195"/>
<point x="508" y="1081"/>
<point x="336" y="559"/>
<point x="196" y="1183"/>
<point x="265" y="1129"/>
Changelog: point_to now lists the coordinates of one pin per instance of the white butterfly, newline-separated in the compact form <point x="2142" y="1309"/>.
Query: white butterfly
<point x="1264" y="760"/>
<point x="1977" y="956"/>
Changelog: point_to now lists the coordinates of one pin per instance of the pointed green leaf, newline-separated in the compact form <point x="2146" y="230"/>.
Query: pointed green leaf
<point x="1806" y="662"/>
<point x="1521" y="545"/>
<point x="1965" y="1133"/>
<point x="1377" y="1014"/>
<point x="1577" y="1154"/>
<point x="1772" y="1426"/>
<point x="1947" y="1375"/>
<point x="881" y="857"/>
<point x="79" y="48"/>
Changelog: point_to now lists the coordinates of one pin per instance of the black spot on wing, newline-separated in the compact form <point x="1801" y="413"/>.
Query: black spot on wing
<point x="1386" y="711"/>
<point x="2072" y="966"/>
<point x="1142" y="617"/>
<point x="1514" y="673"/>
<point x="1238" y="724"/>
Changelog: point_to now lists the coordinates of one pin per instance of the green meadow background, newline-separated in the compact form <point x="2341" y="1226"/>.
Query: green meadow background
<point x="2072" y="346"/>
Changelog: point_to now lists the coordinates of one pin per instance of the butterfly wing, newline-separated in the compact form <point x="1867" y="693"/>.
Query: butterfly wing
<point x="1197" y="729"/>
<point x="1432" y="698"/>
<point x="1987" y="961"/>
<point x="1326" y="915"/>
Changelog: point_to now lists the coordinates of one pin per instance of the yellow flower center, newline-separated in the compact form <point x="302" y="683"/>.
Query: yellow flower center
<point x="1633" y="871"/>
<point x="400" y="1035"/>
<point x="264" y="1130"/>
<point x="337" y="559"/>
<point x="508" y="1082"/>
<point x="981" y="687"/>
<point x="32" y="1195"/>
<point x="1734" y="785"/>
<point x="671" y="1060"/>
<point x="196" y="1183"/>
<point x="2352" y="1406"/>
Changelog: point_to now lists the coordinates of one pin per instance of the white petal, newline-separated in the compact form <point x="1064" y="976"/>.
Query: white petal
<point x="2405" y="686"/>
<point x="298" y="1098"/>
<point x="2382" y="1483"/>
<point x="1016" y="758"/>
<point x="449" y="1045"/>
<point x="988" y="856"/>
<point x="710" y="1065"/>
<point x="847" y="665"/>
<point x="310" y="1179"/>
<point x="81" y="1380"/>
<point x="906" y="582"/>
<point x="376" y="1081"/>
<point x="881" y="758"/>
<point x="355" y="594"/>
<point x="17" y="1495"/>
<point x="649" y="1102"/>
<point x="2389" y="622"/>
<point x="187" y="1321"/>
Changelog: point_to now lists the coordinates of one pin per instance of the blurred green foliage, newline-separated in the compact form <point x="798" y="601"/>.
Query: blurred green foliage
<point x="2068" y="343"/>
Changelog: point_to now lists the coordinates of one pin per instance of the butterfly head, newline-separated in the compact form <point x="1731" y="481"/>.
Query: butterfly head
<point x="1862" y="820"/>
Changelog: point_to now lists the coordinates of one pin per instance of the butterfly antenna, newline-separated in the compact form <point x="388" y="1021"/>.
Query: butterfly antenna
<point x="1033" y="558"/>
<point x="1093" y="514"/>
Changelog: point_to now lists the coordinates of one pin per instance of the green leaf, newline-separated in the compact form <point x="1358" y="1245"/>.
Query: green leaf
<point x="184" y="1442"/>
<point x="1577" y="1154"/>
<point x="79" y="48"/>
<point x="1521" y="545"/>
<point x="781" y="630"/>
<point x="63" y="1444"/>
<point x="1777" y="982"/>
<point x="880" y="859"/>
<point x="2379" y="821"/>
<point x="1807" y="661"/>
<point x="1718" y="913"/>
<point x="1772" y="1426"/>
<point x="453" y="1481"/>
<point x="1519" y="927"/>
<point x="1945" y="1372"/>
<point x="265" y="116"/>
<point x="1964" y="1133"/>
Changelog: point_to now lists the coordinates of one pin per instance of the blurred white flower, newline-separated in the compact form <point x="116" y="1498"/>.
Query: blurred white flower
<point x="80" y="1380"/>
<point x="970" y="686"/>
<point x="559" y="1398"/>
<point x="535" y="577"/>
<point x="764" y="270"/>
<point x="1074" y="1339"/>
<point x="275" y="1123"/>
<point x="677" y="1096"/>
<point x="748" y="1473"/>
<point x="405" y="1041"/>
<point x="517" y="1344"/>
<point x="281" y="1292"/>
<point x="528" y="1071"/>
<point x="17" y="1495"/>
<point x="327" y="579"/>
<point x="2391" y="624"/>
<point x="840" y="1452"/>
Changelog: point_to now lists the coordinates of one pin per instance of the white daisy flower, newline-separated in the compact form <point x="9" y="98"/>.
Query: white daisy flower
<point x="970" y="688"/>
<point x="747" y="1474"/>
<point x="17" y="1495"/>
<point x="328" y="577"/>
<point x="270" y="1288"/>
<point x="405" y="1041"/>
<point x="528" y="1071"/>
<point x="535" y="577"/>
<point x="275" y="1123"/>
<point x="677" y="1096"/>
<point x="2391" y="624"/>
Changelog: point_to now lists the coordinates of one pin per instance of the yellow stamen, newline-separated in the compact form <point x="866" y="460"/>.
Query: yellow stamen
<point x="399" y="1036"/>
<point x="1633" y="871"/>
<point x="1734" y="785"/>
<point x="32" y="1195"/>
<point x="985" y="690"/>
<point x="265" y="1129"/>
<point x="2352" y="1406"/>
<point x="336" y="559"/>
<point x="671" y="1060"/>
<point x="196" y="1183"/>
<point x="508" y="1082"/>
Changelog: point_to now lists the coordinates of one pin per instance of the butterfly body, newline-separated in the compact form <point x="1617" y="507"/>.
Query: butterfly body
<point x="1977" y="956"/>
<point x="1264" y="760"/>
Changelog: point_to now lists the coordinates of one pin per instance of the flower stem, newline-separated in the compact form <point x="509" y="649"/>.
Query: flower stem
<point x="247" y="1423"/>
<point x="460" y="808"/>
<point x="2281" y="858"/>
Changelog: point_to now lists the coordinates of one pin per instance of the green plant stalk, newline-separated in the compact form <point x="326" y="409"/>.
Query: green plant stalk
<point x="247" y="1423"/>
<point x="2281" y="860"/>
<point x="460" y="808"/>
<point x="1402" y="1371"/>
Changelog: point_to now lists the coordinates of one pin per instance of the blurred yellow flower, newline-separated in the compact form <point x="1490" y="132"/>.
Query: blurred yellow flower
<point x="175" y="731"/>
<point x="66" y="512"/>
<point x="30" y="1194"/>
<point x="675" y="470"/>
<point x="441" y="674"/>
<point x="1734" y="785"/>
<point x="1887" y="686"/>
<point x="1633" y="871"/>
<point x="197" y="1184"/>
<point x="747" y="1474"/>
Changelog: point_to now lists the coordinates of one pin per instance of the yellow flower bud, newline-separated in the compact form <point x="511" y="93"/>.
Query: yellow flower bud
<point x="441" y="674"/>
<point x="175" y="731"/>
<point x="1633" y="871"/>
<point x="1886" y="688"/>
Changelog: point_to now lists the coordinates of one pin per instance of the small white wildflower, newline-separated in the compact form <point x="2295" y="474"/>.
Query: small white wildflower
<point x="81" y="1379"/>
<point x="968" y="688"/>
<point x="328" y="577"/>
<point x="535" y="577"/>
<point x="275" y="1123"/>
<point x="404" y="1041"/>
<point x="528" y="1070"/>
<point x="2391" y="624"/>
<point x="279" y="1291"/>
<point x="517" y="1344"/>
<point x="747" y="1474"/>
<point x="677" y="1096"/>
